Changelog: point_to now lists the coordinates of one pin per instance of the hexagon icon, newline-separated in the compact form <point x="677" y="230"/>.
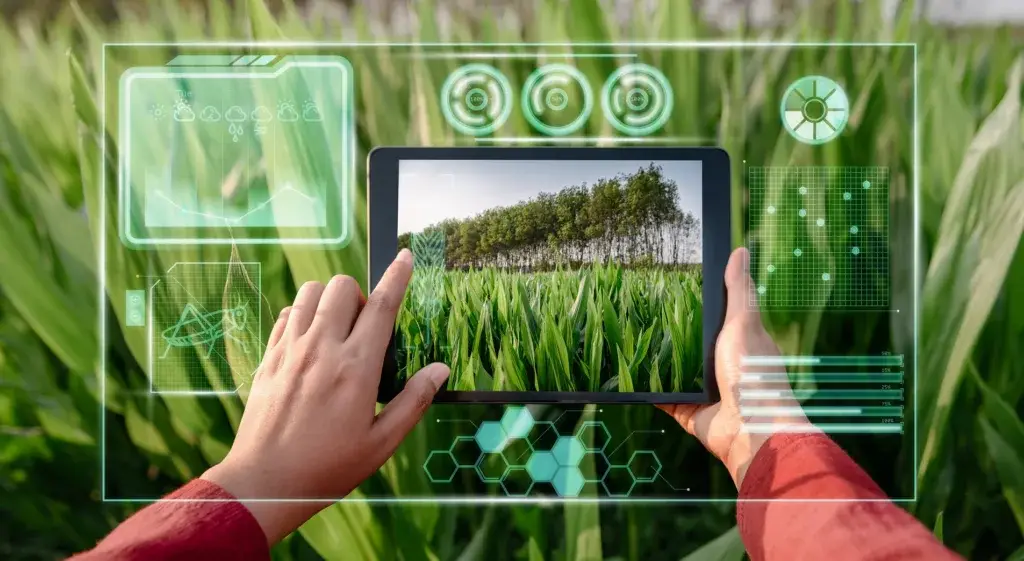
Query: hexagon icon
<point x="464" y="451"/>
<point x="568" y="450"/>
<point x="517" y="482"/>
<point x="618" y="481"/>
<point x="491" y="468"/>
<point x="600" y="462"/>
<point x="517" y="422"/>
<point x="440" y="466"/>
<point x="644" y="466"/>
<point x="594" y="436"/>
<point x="568" y="481"/>
<point x="490" y="437"/>
<point x="542" y="466"/>
<point x="517" y="451"/>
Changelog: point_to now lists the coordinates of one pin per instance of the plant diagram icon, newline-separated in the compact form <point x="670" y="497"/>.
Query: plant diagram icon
<point x="815" y="110"/>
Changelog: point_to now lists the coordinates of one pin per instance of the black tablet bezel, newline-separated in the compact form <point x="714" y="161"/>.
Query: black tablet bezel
<point x="382" y="210"/>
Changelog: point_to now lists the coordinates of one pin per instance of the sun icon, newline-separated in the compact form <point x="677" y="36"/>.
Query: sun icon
<point x="815" y="109"/>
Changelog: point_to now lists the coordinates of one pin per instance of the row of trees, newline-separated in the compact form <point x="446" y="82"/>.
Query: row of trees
<point x="630" y="218"/>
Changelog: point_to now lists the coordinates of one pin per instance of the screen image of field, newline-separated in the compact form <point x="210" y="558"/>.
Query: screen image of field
<point x="553" y="276"/>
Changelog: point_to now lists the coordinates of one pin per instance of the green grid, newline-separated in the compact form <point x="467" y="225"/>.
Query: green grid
<point x="221" y="349"/>
<point x="820" y="236"/>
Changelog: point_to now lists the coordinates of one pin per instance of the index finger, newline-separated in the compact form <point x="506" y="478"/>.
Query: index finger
<point x="376" y="322"/>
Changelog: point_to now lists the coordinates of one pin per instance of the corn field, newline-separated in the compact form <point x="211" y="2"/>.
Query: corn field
<point x="599" y="328"/>
<point x="969" y="436"/>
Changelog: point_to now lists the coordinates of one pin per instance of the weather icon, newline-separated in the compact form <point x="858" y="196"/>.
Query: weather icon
<point x="815" y="110"/>
<point x="235" y="114"/>
<point x="183" y="112"/>
<point x="311" y="113"/>
<point x="209" y="114"/>
<point x="157" y="110"/>
<point x="262" y="114"/>
<point x="286" y="112"/>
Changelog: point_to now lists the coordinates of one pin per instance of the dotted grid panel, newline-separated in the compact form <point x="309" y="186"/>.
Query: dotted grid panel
<point x="820" y="236"/>
<point x="197" y="311"/>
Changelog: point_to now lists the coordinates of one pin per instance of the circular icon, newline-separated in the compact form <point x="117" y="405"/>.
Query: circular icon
<point x="476" y="99"/>
<point x="815" y="109"/>
<point x="557" y="100"/>
<point x="637" y="99"/>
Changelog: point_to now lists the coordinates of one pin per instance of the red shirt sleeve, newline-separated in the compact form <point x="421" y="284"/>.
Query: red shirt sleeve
<point x="852" y="518"/>
<point x="218" y="528"/>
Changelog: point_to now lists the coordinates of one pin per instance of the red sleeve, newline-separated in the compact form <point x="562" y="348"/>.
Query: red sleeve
<point x="858" y="523"/>
<point x="218" y="527"/>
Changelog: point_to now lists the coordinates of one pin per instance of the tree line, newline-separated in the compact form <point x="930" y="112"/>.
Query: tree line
<point x="632" y="219"/>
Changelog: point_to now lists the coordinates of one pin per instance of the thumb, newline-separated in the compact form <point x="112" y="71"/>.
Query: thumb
<point x="742" y="299"/>
<point x="402" y="413"/>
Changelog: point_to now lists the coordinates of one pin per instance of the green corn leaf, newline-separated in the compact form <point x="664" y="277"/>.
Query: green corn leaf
<point x="625" y="379"/>
<point x="727" y="547"/>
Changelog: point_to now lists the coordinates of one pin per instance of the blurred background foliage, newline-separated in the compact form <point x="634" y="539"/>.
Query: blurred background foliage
<point x="970" y="438"/>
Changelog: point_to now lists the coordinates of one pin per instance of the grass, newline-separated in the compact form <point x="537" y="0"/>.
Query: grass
<point x="597" y="328"/>
<point x="969" y="434"/>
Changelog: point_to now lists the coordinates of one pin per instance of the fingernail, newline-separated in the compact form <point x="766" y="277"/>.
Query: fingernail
<point x="404" y="255"/>
<point x="438" y="374"/>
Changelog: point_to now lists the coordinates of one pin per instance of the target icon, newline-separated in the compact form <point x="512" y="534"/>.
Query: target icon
<point x="476" y="99"/>
<point x="557" y="100"/>
<point x="637" y="99"/>
<point x="815" y="109"/>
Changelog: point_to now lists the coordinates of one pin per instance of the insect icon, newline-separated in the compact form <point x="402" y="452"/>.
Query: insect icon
<point x="195" y="328"/>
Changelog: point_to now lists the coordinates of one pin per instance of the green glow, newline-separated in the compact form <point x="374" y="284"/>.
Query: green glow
<point x="802" y="395"/>
<point x="814" y="110"/>
<point x="542" y="106"/>
<point x="205" y="317"/>
<point x="840" y="360"/>
<point x="134" y="308"/>
<point x="637" y="99"/>
<point x="484" y="115"/>
<point x="237" y="154"/>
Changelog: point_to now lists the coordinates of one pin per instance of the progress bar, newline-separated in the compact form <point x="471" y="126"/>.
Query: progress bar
<point x="821" y="411"/>
<point x="825" y="377"/>
<point x="873" y="360"/>
<point x="881" y="395"/>
<point x="837" y="428"/>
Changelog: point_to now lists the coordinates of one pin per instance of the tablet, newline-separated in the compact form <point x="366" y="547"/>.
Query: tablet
<point x="565" y="275"/>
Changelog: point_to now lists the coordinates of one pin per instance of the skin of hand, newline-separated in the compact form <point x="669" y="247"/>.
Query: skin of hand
<point x="719" y="426"/>
<point x="310" y="428"/>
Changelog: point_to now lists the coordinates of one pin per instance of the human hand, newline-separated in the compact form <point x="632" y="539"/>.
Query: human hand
<point x="719" y="426"/>
<point x="309" y="429"/>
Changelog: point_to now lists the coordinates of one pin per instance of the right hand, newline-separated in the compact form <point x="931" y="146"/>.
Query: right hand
<point x="719" y="426"/>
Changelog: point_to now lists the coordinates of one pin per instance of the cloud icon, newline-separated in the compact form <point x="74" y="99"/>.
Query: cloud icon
<point x="235" y="114"/>
<point x="210" y="114"/>
<point x="261" y="114"/>
<point x="311" y="112"/>
<point x="184" y="113"/>
<point x="286" y="112"/>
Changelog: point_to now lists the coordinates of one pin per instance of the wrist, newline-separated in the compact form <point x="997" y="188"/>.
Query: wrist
<point x="275" y="516"/>
<point x="746" y="445"/>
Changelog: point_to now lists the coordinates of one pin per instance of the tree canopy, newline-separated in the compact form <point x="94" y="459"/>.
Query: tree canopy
<point x="631" y="219"/>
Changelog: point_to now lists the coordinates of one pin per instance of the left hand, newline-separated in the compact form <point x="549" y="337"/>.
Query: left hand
<point x="309" y="430"/>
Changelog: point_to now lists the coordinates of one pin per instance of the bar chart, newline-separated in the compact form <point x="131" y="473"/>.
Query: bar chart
<point x="838" y="394"/>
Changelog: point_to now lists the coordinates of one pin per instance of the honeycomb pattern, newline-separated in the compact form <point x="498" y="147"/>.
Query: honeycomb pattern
<point x="518" y="451"/>
<point x="491" y="437"/>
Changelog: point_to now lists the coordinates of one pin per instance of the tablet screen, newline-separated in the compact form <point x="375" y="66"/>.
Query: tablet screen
<point x="553" y="275"/>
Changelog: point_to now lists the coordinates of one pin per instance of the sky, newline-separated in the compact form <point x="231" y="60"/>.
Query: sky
<point x="430" y="191"/>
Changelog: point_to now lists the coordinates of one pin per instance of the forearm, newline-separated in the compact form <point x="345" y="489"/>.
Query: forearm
<point x="199" y="521"/>
<point x="802" y="497"/>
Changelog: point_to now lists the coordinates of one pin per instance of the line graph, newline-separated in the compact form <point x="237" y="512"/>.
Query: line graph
<point x="286" y="207"/>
